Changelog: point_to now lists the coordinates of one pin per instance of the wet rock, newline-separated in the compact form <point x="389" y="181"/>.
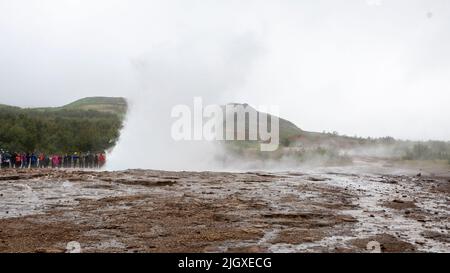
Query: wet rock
<point x="437" y="236"/>
<point x="317" y="179"/>
<point x="298" y="236"/>
<point x="10" y="177"/>
<point x="247" y="249"/>
<point x="400" y="204"/>
<point x="50" y="250"/>
<point x="387" y="243"/>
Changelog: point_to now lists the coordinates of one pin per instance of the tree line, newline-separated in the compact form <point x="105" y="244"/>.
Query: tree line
<point x="57" y="131"/>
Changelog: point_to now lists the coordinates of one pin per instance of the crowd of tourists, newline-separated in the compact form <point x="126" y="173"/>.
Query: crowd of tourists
<point x="41" y="160"/>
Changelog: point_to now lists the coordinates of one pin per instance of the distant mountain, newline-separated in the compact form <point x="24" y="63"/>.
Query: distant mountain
<point x="287" y="129"/>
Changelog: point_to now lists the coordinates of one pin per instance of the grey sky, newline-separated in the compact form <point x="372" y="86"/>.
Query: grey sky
<point x="359" y="67"/>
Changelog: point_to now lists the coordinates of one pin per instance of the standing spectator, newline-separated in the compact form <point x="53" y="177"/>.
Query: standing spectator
<point x="47" y="161"/>
<point x="18" y="161"/>
<point x="66" y="161"/>
<point x="41" y="160"/>
<point x="13" y="160"/>
<point x="75" y="159"/>
<point x="81" y="158"/>
<point x="24" y="161"/>
<point x="34" y="160"/>
<point x="6" y="160"/>
<point x="87" y="160"/>
<point x="101" y="160"/>
<point x="28" y="160"/>
<point x="55" y="162"/>
<point x="96" y="161"/>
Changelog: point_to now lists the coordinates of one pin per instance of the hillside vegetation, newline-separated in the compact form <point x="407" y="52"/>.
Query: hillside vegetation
<point x="90" y="124"/>
<point x="112" y="105"/>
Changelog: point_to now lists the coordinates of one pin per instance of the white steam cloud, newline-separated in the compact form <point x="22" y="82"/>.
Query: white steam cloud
<point x="174" y="74"/>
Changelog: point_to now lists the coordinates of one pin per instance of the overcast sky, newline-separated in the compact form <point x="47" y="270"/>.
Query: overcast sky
<point x="359" y="67"/>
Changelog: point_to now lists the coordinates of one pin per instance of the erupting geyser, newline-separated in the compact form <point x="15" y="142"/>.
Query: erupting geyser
<point x="173" y="75"/>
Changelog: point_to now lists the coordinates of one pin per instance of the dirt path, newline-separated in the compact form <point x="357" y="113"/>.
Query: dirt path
<point x="321" y="210"/>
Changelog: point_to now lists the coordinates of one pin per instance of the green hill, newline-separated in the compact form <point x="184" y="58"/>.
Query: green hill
<point x="113" y="105"/>
<point x="102" y="104"/>
<point x="4" y="106"/>
<point x="90" y="124"/>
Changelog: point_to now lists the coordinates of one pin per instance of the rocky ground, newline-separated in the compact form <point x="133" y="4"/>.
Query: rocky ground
<point x="362" y="208"/>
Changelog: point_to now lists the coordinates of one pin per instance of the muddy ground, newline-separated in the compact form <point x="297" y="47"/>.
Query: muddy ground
<point x="362" y="208"/>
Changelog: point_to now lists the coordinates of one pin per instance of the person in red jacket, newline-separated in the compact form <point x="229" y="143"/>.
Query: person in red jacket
<point x="101" y="160"/>
<point x="41" y="159"/>
<point x="18" y="160"/>
<point x="55" y="161"/>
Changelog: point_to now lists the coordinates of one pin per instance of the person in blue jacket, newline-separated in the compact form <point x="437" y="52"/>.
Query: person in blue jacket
<point x="33" y="160"/>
